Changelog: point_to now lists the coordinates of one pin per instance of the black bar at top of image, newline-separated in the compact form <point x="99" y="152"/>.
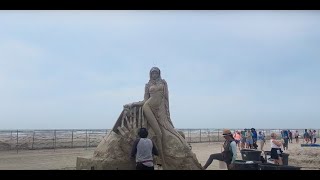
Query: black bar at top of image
<point x="160" y="5"/>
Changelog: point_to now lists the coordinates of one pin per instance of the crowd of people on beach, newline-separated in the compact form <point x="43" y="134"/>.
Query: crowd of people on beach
<point x="310" y="136"/>
<point x="144" y="149"/>
<point x="250" y="139"/>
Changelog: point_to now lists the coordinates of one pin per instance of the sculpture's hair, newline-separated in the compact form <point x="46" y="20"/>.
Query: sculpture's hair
<point x="143" y="133"/>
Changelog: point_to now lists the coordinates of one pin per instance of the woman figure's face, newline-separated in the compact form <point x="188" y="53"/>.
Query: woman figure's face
<point x="154" y="75"/>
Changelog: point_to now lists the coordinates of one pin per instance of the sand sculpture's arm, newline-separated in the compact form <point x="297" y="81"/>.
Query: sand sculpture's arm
<point x="140" y="103"/>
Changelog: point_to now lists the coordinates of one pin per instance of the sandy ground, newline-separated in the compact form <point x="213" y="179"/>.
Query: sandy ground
<point x="65" y="159"/>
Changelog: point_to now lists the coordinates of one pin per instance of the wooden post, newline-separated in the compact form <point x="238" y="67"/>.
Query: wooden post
<point x="200" y="135"/>
<point x="89" y="139"/>
<point x="32" y="139"/>
<point x="209" y="135"/>
<point x="189" y="132"/>
<point x="218" y="135"/>
<point x="11" y="140"/>
<point x="17" y="141"/>
<point x="54" y="140"/>
<point x="86" y="138"/>
<point x="72" y="139"/>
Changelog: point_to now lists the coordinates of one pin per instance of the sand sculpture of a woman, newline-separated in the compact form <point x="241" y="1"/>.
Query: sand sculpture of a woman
<point x="152" y="113"/>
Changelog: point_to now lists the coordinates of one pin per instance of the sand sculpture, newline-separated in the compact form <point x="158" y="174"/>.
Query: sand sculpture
<point x="153" y="113"/>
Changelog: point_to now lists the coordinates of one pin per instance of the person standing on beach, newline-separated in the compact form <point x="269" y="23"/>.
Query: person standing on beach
<point x="262" y="139"/>
<point x="276" y="152"/>
<point x="310" y="136"/>
<point x="243" y="139"/>
<point x="229" y="153"/>
<point x="249" y="140"/>
<point x="286" y="139"/>
<point x="296" y="136"/>
<point x="306" y="136"/>
<point x="314" y="136"/>
<point x="290" y="136"/>
<point x="237" y="138"/>
<point x="143" y="150"/>
<point x="254" y="138"/>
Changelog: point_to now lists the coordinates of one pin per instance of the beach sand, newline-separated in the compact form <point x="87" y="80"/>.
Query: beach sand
<point x="65" y="159"/>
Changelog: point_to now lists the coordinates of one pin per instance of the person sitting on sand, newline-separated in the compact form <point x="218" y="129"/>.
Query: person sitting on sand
<point x="229" y="153"/>
<point x="276" y="152"/>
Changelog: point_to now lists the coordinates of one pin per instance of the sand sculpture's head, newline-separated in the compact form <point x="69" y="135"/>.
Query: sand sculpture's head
<point x="155" y="73"/>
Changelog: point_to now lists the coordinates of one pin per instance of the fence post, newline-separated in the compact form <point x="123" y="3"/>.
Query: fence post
<point x="218" y="135"/>
<point x="17" y="141"/>
<point x="89" y="138"/>
<point x="200" y="135"/>
<point x="54" y="140"/>
<point x="189" y="133"/>
<point x="11" y="141"/>
<point x="32" y="139"/>
<point x="72" y="139"/>
<point x="86" y="138"/>
<point x="209" y="135"/>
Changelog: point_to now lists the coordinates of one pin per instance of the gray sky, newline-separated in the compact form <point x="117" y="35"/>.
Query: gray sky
<point x="224" y="69"/>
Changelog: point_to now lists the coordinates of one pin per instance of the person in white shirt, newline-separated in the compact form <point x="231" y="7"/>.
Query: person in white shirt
<point x="276" y="152"/>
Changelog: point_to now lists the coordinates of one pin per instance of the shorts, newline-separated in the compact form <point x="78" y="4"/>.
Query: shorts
<point x="276" y="153"/>
<point x="237" y="141"/>
<point x="249" y="141"/>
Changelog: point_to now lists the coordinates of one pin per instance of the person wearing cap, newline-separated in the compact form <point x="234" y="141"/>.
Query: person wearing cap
<point x="229" y="153"/>
<point x="143" y="151"/>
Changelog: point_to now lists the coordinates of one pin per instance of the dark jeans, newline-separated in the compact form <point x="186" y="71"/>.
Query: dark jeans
<point x="140" y="166"/>
<point x="217" y="156"/>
